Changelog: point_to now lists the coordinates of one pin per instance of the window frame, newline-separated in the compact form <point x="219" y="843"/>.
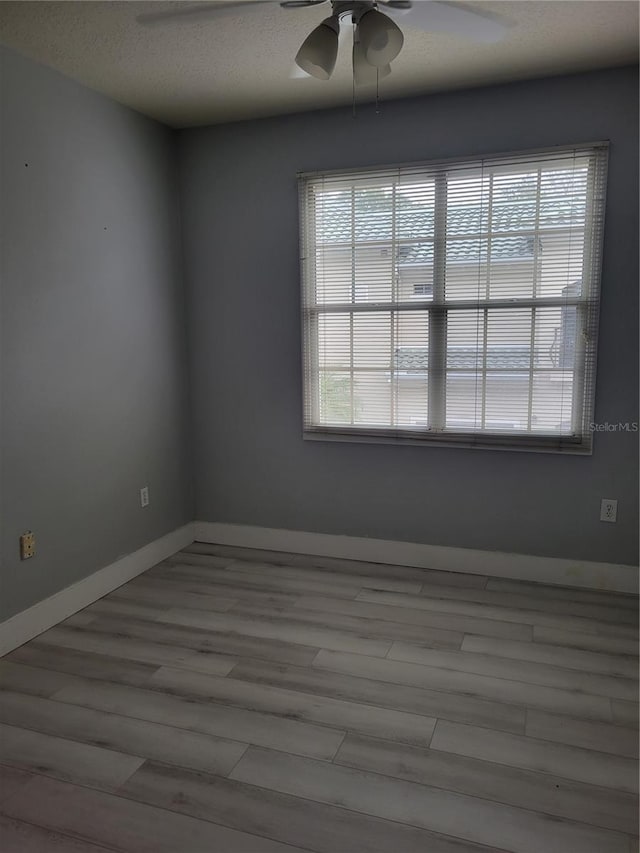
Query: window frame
<point x="439" y="308"/>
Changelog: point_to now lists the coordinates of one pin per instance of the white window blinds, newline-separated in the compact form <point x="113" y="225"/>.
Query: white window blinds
<point x="454" y="302"/>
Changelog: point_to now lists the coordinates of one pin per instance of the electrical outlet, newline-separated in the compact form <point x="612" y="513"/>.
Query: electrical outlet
<point x="608" y="509"/>
<point x="27" y="545"/>
<point x="144" y="496"/>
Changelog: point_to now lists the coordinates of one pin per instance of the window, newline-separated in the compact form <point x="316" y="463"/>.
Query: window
<point x="454" y="302"/>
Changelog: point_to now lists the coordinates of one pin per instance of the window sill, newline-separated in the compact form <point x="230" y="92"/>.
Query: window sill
<point x="465" y="441"/>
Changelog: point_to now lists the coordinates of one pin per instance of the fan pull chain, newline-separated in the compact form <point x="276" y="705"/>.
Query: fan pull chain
<point x="353" y="87"/>
<point x="353" y="71"/>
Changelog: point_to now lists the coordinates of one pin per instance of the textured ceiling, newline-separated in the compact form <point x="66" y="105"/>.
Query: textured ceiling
<point x="204" y="71"/>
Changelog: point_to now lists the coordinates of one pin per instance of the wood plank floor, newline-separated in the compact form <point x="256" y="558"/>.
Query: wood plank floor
<point x="237" y="701"/>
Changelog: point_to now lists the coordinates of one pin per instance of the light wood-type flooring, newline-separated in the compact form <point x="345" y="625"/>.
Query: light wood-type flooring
<point x="236" y="701"/>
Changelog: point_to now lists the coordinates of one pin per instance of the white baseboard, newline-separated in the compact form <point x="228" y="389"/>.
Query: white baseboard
<point x="29" y="623"/>
<point x="614" y="577"/>
<point x="34" y="620"/>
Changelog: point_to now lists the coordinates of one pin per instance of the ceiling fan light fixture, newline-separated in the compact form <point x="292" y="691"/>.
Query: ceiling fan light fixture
<point x="319" y="51"/>
<point x="380" y="38"/>
<point x="365" y="74"/>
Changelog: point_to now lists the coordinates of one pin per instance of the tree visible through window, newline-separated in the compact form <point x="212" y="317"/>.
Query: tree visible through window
<point x="454" y="302"/>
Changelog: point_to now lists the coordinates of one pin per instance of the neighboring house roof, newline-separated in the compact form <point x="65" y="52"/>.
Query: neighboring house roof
<point x="414" y="223"/>
<point x="497" y="357"/>
<point x="465" y="251"/>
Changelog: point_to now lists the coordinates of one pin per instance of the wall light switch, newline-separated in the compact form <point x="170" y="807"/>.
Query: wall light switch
<point x="144" y="496"/>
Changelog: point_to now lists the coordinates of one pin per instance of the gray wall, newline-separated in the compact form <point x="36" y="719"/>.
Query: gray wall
<point x="241" y="243"/>
<point x="94" y="391"/>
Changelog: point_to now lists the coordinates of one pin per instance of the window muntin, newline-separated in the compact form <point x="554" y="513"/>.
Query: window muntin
<point x="454" y="302"/>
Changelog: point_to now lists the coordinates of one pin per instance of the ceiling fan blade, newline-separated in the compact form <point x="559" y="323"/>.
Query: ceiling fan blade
<point x="300" y="4"/>
<point x="436" y="16"/>
<point x="220" y="9"/>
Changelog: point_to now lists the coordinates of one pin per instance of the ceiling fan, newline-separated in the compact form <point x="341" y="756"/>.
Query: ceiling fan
<point x="377" y="39"/>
